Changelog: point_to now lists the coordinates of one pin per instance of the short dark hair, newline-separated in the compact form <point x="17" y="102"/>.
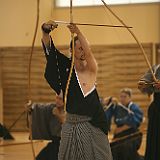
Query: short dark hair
<point x="75" y="39"/>
<point x="127" y="91"/>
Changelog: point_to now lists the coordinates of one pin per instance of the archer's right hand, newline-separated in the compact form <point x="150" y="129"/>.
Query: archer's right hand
<point x="49" y="26"/>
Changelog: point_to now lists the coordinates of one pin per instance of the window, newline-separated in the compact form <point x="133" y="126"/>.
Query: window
<point x="66" y="3"/>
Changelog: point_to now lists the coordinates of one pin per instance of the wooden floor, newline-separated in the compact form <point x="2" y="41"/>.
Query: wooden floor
<point x="20" y="148"/>
<point x="14" y="151"/>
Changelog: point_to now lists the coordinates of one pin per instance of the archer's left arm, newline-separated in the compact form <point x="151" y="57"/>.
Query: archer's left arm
<point x="91" y="62"/>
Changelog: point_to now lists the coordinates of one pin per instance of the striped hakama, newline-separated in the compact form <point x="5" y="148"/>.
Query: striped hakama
<point x="82" y="141"/>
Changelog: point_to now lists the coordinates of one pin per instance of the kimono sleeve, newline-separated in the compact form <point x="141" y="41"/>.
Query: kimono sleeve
<point x="55" y="66"/>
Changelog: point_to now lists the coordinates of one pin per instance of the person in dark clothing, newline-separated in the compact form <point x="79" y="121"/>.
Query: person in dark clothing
<point x="46" y="125"/>
<point x="148" y="86"/>
<point x="85" y="129"/>
<point x="127" y="117"/>
<point x="50" y="152"/>
<point x="153" y="133"/>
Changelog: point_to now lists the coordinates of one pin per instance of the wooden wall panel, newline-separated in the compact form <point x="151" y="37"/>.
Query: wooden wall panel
<point x="1" y="92"/>
<point x="119" y="66"/>
<point x="158" y="53"/>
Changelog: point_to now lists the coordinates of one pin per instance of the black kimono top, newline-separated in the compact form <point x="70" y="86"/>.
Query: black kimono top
<point x="56" y="74"/>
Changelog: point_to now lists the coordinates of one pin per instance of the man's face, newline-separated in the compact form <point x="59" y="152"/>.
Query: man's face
<point x="59" y="102"/>
<point x="79" y="53"/>
<point x="124" y="98"/>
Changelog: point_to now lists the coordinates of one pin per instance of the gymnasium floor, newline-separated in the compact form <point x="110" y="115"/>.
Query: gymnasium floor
<point x="23" y="151"/>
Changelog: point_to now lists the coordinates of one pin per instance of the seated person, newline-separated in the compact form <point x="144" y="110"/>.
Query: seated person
<point x="127" y="118"/>
<point x="46" y="125"/>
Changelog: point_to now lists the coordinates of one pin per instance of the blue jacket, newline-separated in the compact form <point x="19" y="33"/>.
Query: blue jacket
<point x="130" y="115"/>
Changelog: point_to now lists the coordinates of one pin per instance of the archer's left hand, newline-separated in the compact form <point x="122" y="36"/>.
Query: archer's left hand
<point x="73" y="28"/>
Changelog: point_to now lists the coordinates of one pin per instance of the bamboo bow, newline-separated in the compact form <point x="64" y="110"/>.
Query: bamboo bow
<point x="29" y="76"/>
<point x="134" y="36"/>
<point x="72" y="63"/>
